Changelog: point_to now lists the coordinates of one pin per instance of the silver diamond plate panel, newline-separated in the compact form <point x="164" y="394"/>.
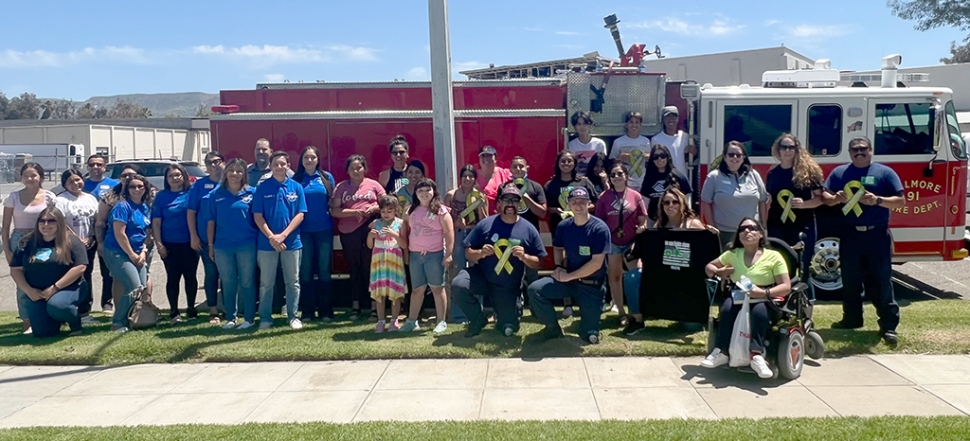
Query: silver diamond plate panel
<point x="623" y="93"/>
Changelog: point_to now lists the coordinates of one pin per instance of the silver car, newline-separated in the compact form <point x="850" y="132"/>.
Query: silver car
<point x="154" y="170"/>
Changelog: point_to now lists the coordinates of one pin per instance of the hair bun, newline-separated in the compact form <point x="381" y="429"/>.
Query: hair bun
<point x="399" y="138"/>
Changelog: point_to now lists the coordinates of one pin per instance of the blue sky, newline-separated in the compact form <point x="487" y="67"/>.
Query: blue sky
<point x="80" y="49"/>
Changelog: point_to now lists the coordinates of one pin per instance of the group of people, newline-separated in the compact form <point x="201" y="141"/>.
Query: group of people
<point x="265" y="232"/>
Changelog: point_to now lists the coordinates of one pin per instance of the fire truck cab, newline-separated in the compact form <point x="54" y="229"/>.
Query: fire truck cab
<point x="914" y="130"/>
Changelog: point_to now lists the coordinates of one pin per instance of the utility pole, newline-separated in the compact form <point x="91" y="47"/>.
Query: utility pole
<point x="442" y="98"/>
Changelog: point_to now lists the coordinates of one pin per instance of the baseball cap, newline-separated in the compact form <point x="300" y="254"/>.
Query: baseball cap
<point x="670" y="110"/>
<point x="487" y="150"/>
<point x="578" y="193"/>
<point x="510" y="189"/>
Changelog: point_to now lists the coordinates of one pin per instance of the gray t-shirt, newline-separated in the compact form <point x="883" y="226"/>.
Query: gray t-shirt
<point x="733" y="198"/>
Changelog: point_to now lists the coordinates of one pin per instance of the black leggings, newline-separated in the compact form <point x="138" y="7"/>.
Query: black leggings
<point x="358" y="260"/>
<point x="182" y="262"/>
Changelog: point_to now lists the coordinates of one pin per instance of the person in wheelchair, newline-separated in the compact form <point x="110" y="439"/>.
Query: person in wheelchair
<point x="767" y="269"/>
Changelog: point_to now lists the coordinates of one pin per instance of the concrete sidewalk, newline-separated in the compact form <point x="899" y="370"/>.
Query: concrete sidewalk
<point x="505" y="389"/>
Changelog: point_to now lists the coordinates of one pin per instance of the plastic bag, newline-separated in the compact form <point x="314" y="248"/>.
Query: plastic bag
<point x="740" y="349"/>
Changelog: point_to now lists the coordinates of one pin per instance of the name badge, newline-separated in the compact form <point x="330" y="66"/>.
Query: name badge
<point x="868" y="180"/>
<point x="584" y="251"/>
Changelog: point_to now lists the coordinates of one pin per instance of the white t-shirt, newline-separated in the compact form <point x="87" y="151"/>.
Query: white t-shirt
<point x="79" y="212"/>
<point x="25" y="216"/>
<point x="585" y="151"/>
<point x="677" y="145"/>
<point x="639" y="150"/>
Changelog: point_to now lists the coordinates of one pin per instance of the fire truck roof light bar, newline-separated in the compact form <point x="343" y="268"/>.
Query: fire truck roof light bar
<point x="822" y="76"/>
<point x="904" y="77"/>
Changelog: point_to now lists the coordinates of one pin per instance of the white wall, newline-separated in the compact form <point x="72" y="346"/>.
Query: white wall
<point x="729" y="68"/>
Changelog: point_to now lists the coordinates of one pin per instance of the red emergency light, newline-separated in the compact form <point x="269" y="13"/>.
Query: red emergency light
<point x="225" y="108"/>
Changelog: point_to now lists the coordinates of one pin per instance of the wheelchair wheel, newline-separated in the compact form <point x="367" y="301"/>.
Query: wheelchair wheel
<point x="791" y="354"/>
<point x="814" y="346"/>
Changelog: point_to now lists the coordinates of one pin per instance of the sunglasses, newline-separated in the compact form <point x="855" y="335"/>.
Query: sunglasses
<point x="510" y="200"/>
<point x="178" y="176"/>
<point x="94" y="164"/>
<point x="136" y="187"/>
<point x="214" y="162"/>
<point x="859" y="150"/>
<point x="399" y="152"/>
<point x="660" y="156"/>
<point x="669" y="202"/>
<point x="617" y="175"/>
<point x="47" y="221"/>
<point x="735" y="155"/>
<point x="787" y="147"/>
<point x="754" y="228"/>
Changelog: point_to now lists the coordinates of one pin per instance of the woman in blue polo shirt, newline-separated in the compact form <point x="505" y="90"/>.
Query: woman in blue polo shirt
<point x="232" y="242"/>
<point x="316" y="233"/>
<point x="124" y="244"/>
<point x="170" y="228"/>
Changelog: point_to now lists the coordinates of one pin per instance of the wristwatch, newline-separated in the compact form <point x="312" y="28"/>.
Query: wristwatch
<point x="879" y="201"/>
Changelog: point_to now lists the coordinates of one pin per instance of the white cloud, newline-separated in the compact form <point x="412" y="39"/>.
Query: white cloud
<point x="467" y="65"/>
<point x="772" y="22"/>
<point x="41" y="58"/>
<point x="274" y="78"/>
<point x="809" y="36"/>
<point x="717" y="27"/>
<point x="270" y="55"/>
<point x="818" y="31"/>
<point x="417" y="74"/>
<point x="567" y="33"/>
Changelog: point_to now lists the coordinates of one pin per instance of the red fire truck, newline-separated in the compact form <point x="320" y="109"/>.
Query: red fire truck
<point x="914" y="130"/>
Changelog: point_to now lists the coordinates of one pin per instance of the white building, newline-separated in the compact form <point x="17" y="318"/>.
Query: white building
<point x="730" y="68"/>
<point x="183" y="138"/>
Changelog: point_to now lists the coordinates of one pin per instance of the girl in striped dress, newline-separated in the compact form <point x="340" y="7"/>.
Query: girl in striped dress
<point x="387" y="261"/>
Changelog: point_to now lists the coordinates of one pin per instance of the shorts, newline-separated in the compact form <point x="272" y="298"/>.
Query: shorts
<point x="427" y="269"/>
<point x="620" y="250"/>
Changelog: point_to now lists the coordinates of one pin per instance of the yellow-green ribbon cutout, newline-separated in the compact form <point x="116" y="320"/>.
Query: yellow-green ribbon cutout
<point x="636" y="162"/>
<point x="503" y="252"/>
<point x="784" y="198"/>
<point x="472" y="201"/>
<point x="854" y="191"/>
<point x="403" y="201"/>
<point x="564" y="203"/>
<point x="520" y="183"/>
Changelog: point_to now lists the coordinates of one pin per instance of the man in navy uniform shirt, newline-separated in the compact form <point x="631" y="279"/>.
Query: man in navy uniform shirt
<point x="502" y="246"/>
<point x="579" y="250"/>
<point x="868" y="192"/>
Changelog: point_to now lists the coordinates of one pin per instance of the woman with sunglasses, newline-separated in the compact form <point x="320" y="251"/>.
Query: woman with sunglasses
<point x="48" y="265"/>
<point x="733" y="191"/>
<point x="768" y="272"/>
<point x="391" y="179"/>
<point x="625" y="214"/>
<point x="126" y="250"/>
<point x="661" y="175"/>
<point x="795" y="189"/>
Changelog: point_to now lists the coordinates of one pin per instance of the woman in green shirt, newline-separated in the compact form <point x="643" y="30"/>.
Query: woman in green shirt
<point x="768" y="272"/>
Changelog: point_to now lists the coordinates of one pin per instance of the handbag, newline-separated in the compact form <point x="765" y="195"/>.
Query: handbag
<point x="143" y="313"/>
<point x="740" y="348"/>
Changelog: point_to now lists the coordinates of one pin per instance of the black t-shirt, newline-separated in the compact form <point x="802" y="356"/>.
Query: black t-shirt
<point x="556" y="192"/>
<point x="654" y="185"/>
<point x="538" y="194"/>
<point x="780" y="180"/>
<point x="673" y="284"/>
<point x="41" y="267"/>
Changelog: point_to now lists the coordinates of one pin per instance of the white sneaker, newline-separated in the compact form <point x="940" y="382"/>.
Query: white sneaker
<point x="717" y="358"/>
<point x="229" y="324"/>
<point x="265" y="324"/>
<point x="87" y="320"/>
<point x="441" y="327"/>
<point x="760" y="366"/>
<point x="615" y="309"/>
<point x="244" y="325"/>
<point x="296" y="324"/>
<point x="567" y="312"/>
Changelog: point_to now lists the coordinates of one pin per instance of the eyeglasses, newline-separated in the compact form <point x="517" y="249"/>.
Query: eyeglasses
<point x="95" y="164"/>
<point x="178" y="176"/>
<point x="136" y="187"/>
<point x="47" y="221"/>
<point x="214" y="162"/>
<point x="617" y="175"/>
<point x="753" y="228"/>
<point x="659" y="156"/>
<point x="510" y="200"/>
<point x="399" y="152"/>
<point x="787" y="147"/>
<point x="669" y="202"/>
<point x="567" y="161"/>
<point x="859" y="149"/>
<point x="735" y="155"/>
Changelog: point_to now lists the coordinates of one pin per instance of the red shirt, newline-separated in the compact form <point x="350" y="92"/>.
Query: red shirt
<point x="608" y="208"/>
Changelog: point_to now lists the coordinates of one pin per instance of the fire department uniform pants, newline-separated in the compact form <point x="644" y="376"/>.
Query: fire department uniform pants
<point x="866" y="262"/>
<point x="470" y="285"/>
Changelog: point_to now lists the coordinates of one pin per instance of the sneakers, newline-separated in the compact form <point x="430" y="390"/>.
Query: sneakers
<point x="265" y="324"/>
<point x="760" y="366"/>
<point x="846" y="324"/>
<point x="176" y="320"/>
<point x="29" y="331"/>
<point x="440" y="328"/>
<point x="472" y="331"/>
<point x="296" y="324"/>
<point x="409" y="326"/>
<point x="119" y="329"/>
<point x="567" y="312"/>
<point x="593" y="338"/>
<point x="715" y="359"/>
<point x="230" y="324"/>
<point x="891" y="338"/>
<point x="244" y="325"/>
<point x="607" y="306"/>
<point x="108" y="309"/>
<point x="380" y="327"/>
<point x="633" y="327"/>
<point x="394" y="326"/>
<point x="87" y="320"/>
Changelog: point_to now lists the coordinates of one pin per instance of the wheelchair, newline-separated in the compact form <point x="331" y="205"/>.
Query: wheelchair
<point x="791" y="334"/>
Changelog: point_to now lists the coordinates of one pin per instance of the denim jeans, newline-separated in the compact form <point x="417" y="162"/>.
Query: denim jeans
<point x="22" y="299"/>
<point x="316" y="296"/>
<point x="46" y="316"/>
<point x="469" y="287"/>
<point x="589" y="298"/>
<point x="268" y="262"/>
<point x="237" y="269"/>
<point x="130" y="276"/>
<point x="459" y="262"/>
<point x="211" y="282"/>
<point x="427" y="269"/>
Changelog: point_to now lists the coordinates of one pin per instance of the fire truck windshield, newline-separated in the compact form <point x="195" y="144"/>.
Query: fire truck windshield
<point x="957" y="144"/>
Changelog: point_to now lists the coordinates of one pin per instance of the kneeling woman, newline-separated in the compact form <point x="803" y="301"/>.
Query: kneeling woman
<point x="48" y="265"/>
<point x="767" y="270"/>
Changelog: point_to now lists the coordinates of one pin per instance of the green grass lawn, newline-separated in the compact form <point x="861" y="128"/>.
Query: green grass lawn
<point x="896" y="428"/>
<point x="938" y="326"/>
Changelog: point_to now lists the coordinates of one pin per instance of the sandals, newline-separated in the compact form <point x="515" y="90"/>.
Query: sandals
<point x="214" y="320"/>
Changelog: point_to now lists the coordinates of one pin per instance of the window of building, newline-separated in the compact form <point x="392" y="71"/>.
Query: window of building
<point x="904" y="128"/>
<point x="824" y="130"/>
<point x="756" y="126"/>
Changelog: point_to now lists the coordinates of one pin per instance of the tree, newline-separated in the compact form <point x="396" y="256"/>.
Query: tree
<point x="86" y="111"/>
<point x="931" y="14"/>
<point x="25" y="106"/>
<point x="203" y="111"/>
<point x="129" y="110"/>
<point x="4" y="103"/>
<point x="58" y="109"/>
<point x="960" y="54"/>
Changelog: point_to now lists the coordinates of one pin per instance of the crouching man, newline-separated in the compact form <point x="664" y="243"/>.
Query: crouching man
<point x="579" y="250"/>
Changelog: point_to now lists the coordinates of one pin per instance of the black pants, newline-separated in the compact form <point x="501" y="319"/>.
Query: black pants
<point x="470" y="284"/>
<point x="106" y="282"/>
<point x="866" y="260"/>
<point x="182" y="262"/>
<point x="86" y="298"/>
<point x="759" y="325"/>
<point x="358" y="257"/>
